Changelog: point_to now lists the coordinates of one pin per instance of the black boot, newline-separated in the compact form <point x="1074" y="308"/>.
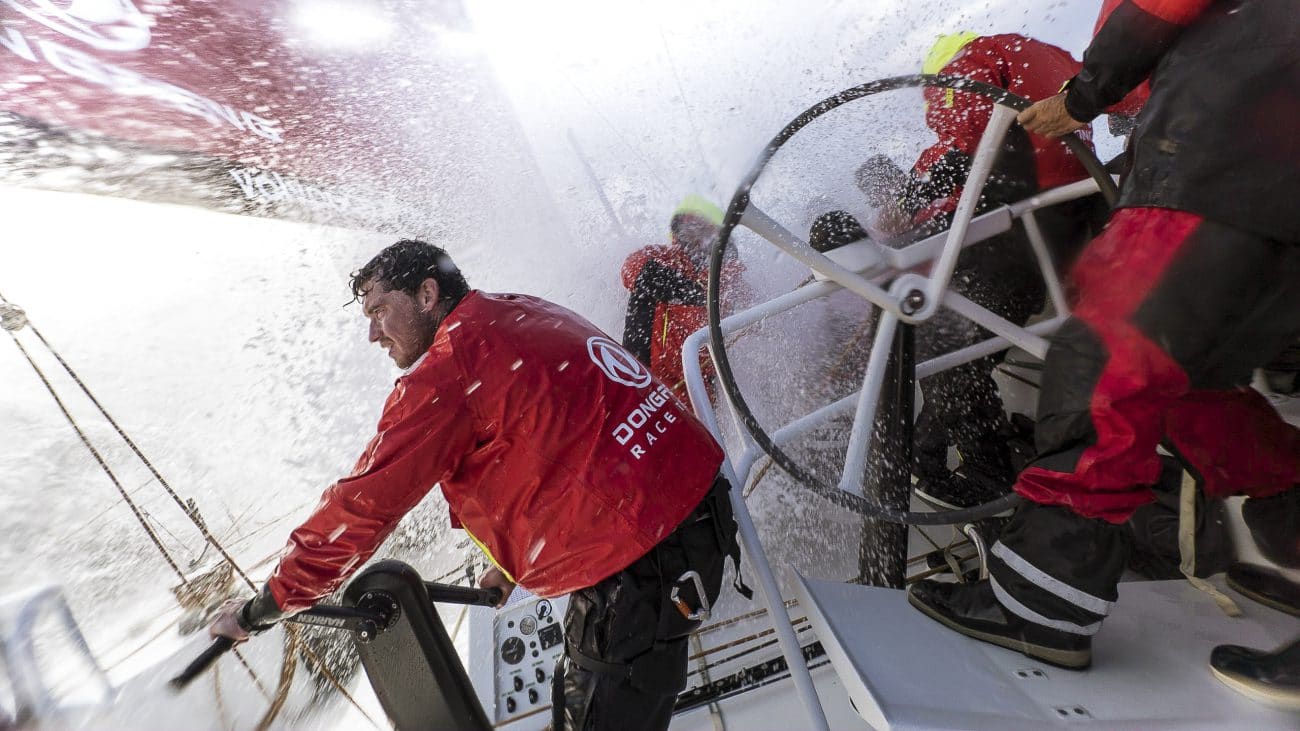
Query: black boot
<point x="1272" y="678"/>
<point x="1274" y="523"/>
<point x="965" y="487"/>
<point x="1266" y="586"/>
<point x="972" y="610"/>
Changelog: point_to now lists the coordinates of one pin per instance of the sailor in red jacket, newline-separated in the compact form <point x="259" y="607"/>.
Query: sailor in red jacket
<point x="1191" y="286"/>
<point x="1029" y="162"/>
<point x="962" y="407"/>
<point x="573" y="468"/>
<point x="667" y="286"/>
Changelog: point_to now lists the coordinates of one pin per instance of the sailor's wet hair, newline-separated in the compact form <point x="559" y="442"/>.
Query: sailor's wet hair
<point x="407" y="263"/>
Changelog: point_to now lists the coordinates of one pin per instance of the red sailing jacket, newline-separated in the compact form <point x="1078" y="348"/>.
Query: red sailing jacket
<point x="677" y="313"/>
<point x="556" y="450"/>
<point x="665" y="279"/>
<point x="1021" y="65"/>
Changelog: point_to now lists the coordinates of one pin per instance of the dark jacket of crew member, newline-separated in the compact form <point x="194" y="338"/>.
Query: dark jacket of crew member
<point x="1210" y="140"/>
<point x="1028" y="162"/>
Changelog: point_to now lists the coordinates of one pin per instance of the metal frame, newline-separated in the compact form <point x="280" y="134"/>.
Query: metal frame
<point x="32" y="699"/>
<point x="863" y="268"/>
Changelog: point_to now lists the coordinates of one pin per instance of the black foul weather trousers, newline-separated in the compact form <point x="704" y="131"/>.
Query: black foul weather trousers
<point x="962" y="407"/>
<point x="1173" y="312"/>
<point x="626" y="640"/>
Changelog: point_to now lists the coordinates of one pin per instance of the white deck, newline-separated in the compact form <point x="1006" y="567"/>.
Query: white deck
<point x="1150" y="669"/>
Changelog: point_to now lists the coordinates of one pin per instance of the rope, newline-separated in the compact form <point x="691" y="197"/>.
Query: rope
<point x="188" y="509"/>
<point x="321" y="668"/>
<point x="288" y="666"/>
<point x="753" y="485"/>
<point x="126" y="497"/>
<point x="135" y="509"/>
<point x="191" y="511"/>
<point x="216" y="692"/>
<point x="1187" y="547"/>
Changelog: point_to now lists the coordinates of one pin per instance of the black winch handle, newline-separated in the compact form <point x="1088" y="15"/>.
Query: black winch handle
<point x="219" y="647"/>
<point x="448" y="594"/>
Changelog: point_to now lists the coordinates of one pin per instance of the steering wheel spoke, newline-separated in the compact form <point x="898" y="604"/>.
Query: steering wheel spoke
<point x="909" y="298"/>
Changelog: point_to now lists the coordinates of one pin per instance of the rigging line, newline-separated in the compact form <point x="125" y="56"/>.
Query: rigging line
<point x="236" y="541"/>
<point x="125" y="497"/>
<point x="161" y="526"/>
<point x="91" y="521"/>
<point x="103" y="465"/>
<point x="288" y="666"/>
<point x="324" y="670"/>
<point x="690" y="114"/>
<point x="595" y="182"/>
<point x="1016" y="376"/>
<point x="458" y="570"/>
<point x="927" y="537"/>
<point x="221" y="703"/>
<point x="635" y="151"/>
<point x="286" y="673"/>
<point x="191" y="513"/>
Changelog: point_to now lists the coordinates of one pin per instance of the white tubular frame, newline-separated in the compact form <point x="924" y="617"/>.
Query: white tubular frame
<point x="877" y="264"/>
<point x="18" y="653"/>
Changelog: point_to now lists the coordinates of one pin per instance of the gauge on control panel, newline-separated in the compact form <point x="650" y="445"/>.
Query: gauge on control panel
<point x="529" y="638"/>
<point x="551" y="636"/>
<point x="512" y="650"/>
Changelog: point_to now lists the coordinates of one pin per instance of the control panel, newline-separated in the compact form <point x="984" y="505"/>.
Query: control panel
<point x="528" y="638"/>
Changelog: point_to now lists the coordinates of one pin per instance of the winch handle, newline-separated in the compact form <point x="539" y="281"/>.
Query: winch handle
<point x="219" y="647"/>
<point x="448" y="594"/>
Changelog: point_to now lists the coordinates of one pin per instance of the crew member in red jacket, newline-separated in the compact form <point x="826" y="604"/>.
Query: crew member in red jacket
<point x="962" y="407"/>
<point x="1191" y="286"/>
<point x="667" y="285"/>
<point x="1028" y="162"/>
<point x="573" y="468"/>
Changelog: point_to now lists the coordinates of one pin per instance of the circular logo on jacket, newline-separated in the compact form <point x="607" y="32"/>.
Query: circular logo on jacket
<point x="616" y="363"/>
